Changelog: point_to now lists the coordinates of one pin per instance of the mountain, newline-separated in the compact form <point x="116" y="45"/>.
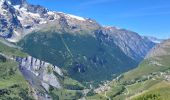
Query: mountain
<point x="64" y="40"/>
<point x="159" y="50"/>
<point x="131" y="43"/>
<point x="70" y="51"/>
<point x="63" y="56"/>
<point x="153" y="39"/>
<point x="19" y="18"/>
<point x="150" y="80"/>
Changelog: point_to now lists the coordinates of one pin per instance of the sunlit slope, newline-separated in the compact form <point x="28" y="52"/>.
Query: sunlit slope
<point x="157" y="60"/>
<point x="155" y="69"/>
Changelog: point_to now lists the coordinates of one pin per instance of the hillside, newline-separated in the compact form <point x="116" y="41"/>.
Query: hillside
<point x="23" y="77"/>
<point x="150" y="80"/>
<point x="13" y="86"/>
<point x="83" y="57"/>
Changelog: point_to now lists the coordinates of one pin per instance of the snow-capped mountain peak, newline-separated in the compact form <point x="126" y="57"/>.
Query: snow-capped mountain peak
<point x="20" y="18"/>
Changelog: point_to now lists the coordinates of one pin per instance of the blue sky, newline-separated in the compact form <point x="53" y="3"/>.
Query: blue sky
<point x="146" y="17"/>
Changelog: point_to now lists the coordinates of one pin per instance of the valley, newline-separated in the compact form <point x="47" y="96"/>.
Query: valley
<point x="50" y="55"/>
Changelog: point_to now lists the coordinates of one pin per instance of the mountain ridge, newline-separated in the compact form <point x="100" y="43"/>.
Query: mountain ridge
<point x="24" y="18"/>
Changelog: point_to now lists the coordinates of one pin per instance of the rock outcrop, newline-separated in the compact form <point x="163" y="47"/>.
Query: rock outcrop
<point x="41" y="71"/>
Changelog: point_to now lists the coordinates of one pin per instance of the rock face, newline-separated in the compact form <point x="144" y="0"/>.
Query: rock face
<point x="38" y="72"/>
<point x="131" y="43"/>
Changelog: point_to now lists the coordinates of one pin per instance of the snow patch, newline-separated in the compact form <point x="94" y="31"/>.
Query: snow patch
<point x="25" y="13"/>
<point x="23" y="9"/>
<point x="3" y="12"/>
<point x="2" y="2"/>
<point x="76" y="17"/>
<point x="9" y="2"/>
<point x="20" y="18"/>
<point x="12" y="39"/>
<point x="156" y="41"/>
<point x="111" y="27"/>
<point x="34" y="15"/>
<point x="17" y="7"/>
<point x="43" y="22"/>
<point x="51" y="13"/>
<point x="15" y="37"/>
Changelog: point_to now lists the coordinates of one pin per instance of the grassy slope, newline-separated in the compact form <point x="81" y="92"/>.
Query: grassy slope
<point x="146" y="68"/>
<point x="155" y="86"/>
<point x="160" y="91"/>
<point x="155" y="63"/>
<point x="12" y="84"/>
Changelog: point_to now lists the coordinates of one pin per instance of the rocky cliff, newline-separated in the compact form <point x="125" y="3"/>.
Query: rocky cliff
<point x="41" y="71"/>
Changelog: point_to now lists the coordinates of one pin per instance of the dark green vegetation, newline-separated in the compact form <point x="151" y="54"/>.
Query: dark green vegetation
<point x="69" y="83"/>
<point x="63" y="94"/>
<point x="12" y="84"/>
<point x="2" y="59"/>
<point x="84" y="57"/>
